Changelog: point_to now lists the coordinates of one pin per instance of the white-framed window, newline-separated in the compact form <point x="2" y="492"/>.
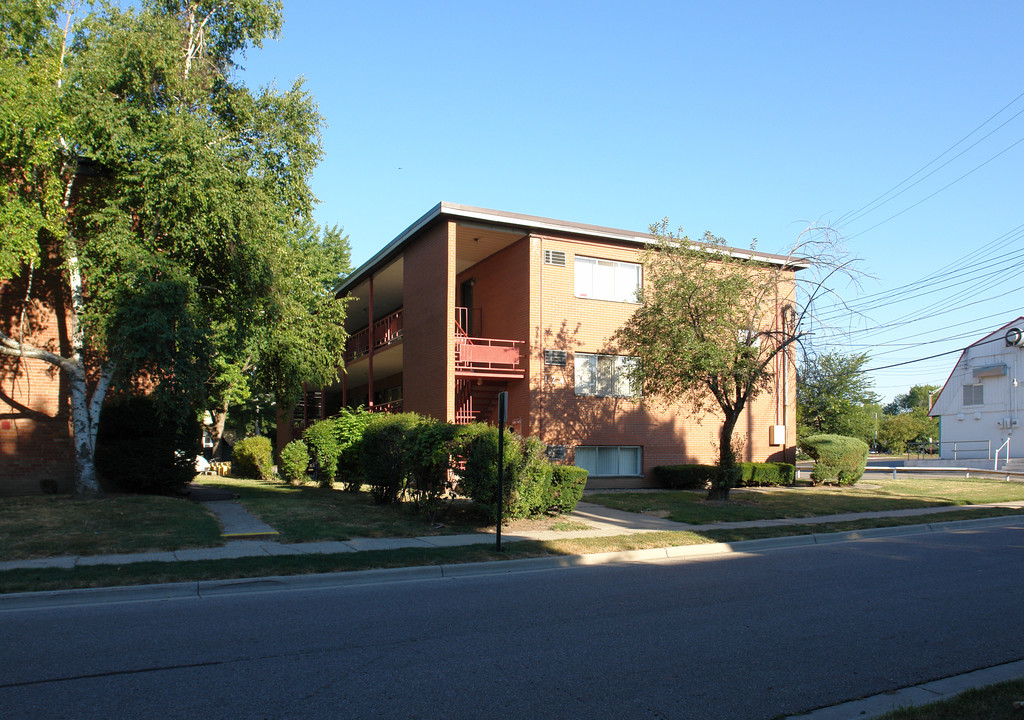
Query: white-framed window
<point x="610" y="460"/>
<point x="604" y="375"/>
<point x="974" y="394"/>
<point x="606" y="279"/>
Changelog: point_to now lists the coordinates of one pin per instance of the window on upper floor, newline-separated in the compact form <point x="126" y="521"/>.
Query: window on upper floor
<point x="604" y="375"/>
<point x="606" y="279"/>
<point x="610" y="460"/>
<point x="974" y="394"/>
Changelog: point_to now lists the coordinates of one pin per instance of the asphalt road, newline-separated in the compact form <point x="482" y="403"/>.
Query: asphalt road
<point x="742" y="636"/>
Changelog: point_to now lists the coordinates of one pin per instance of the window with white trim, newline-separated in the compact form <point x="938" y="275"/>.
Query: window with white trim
<point x="604" y="375"/>
<point x="606" y="279"/>
<point x="610" y="460"/>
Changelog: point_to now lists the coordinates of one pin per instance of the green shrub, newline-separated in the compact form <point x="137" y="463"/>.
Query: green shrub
<point x="349" y="426"/>
<point x="567" y="484"/>
<point x="766" y="474"/>
<point x="385" y="455"/>
<point x="294" y="461"/>
<point x="252" y="457"/>
<point x="322" y="442"/>
<point x="526" y="481"/>
<point x="138" y="450"/>
<point x="431" y="450"/>
<point x="836" y="458"/>
<point x="684" y="477"/>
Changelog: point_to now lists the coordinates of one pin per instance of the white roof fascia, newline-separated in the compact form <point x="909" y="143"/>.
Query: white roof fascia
<point x="531" y="222"/>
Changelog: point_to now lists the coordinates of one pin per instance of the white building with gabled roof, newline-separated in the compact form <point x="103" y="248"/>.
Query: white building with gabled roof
<point x="982" y="403"/>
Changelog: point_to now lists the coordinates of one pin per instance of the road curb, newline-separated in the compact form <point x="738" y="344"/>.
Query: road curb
<point x="209" y="588"/>
<point x="97" y="596"/>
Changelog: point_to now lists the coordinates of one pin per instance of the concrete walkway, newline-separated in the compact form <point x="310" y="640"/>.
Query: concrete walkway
<point x="248" y="536"/>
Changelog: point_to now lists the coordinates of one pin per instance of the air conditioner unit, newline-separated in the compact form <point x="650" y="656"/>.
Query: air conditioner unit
<point x="1015" y="337"/>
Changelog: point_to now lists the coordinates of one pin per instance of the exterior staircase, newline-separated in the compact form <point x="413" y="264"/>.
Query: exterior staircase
<point x="476" y="400"/>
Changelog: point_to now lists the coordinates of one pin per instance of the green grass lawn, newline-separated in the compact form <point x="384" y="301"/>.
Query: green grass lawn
<point x="47" y="526"/>
<point x="303" y="513"/>
<point x="804" y="501"/>
<point x="994" y="702"/>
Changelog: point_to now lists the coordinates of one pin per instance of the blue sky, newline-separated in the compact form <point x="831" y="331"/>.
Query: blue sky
<point x="748" y="119"/>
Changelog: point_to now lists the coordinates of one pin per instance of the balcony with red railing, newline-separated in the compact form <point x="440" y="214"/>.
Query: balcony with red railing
<point x="484" y="357"/>
<point x="386" y="331"/>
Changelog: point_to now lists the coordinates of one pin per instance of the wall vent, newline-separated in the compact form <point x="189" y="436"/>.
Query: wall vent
<point x="555" y="357"/>
<point x="554" y="257"/>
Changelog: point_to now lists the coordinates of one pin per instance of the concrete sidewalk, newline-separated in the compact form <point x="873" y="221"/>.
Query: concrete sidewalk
<point x="248" y="536"/>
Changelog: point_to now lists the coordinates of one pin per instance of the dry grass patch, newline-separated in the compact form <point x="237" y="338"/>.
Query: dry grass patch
<point x="54" y="525"/>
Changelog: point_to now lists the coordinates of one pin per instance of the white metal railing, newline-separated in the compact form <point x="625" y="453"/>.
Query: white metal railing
<point x="995" y="464"/>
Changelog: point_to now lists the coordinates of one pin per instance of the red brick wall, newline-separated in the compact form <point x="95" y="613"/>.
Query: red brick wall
<point x="428" y="322"/>
<point x="668" y="433"/>
<point x="35" y="430"/>
<point x="501" y="294"/>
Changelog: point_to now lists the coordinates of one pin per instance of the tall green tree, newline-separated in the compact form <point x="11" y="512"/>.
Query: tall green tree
<point x="297" y="335"/>
<point x="906" y="420"/>
<point x="831" y="393"/>
<point x="712" y="322"/>
<point x="917" y="398"/>
<point x="165" y="192"/>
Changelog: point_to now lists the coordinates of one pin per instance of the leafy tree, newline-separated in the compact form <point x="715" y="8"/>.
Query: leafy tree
<point x="831" y="394"/>
<point x="165" y="193"/>
<point x="906" y="420"/>
<point x="295" y="333"/>
<point x="713" y="321"/>
<point x="917" y="398"/>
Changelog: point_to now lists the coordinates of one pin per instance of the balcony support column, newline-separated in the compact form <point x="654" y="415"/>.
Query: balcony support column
<point x="369" y="381"/>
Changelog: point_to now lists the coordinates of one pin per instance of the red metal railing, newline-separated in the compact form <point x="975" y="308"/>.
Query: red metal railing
<point x="395" y="406"/>
<point x="484" y="355"/>
<point x="385" y="331"/>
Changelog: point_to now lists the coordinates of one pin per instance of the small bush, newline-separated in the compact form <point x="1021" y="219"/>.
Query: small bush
<point x="294" y="461"/>
<point x="385" y="455"/>
<point x="252" y="457"/>
<point x="766" y="474"/>
<point x="567" y="484"/>
<point x="432" y="447"/>
<point x="322" y="442"/>
<point x="836" y="458"/>
<point x="685" y="477"/>
<point x="349" y="426"/>
<point x="140" y="451"/>
<point x="526" y="481"/>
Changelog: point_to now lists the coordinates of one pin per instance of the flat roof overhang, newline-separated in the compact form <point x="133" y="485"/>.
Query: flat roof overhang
<point x="515" y="224"/>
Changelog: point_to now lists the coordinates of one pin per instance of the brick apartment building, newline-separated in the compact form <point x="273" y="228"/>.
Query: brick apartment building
<point x="469" y="302"/>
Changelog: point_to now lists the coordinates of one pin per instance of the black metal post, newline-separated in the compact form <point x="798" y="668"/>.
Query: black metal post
<point x="502" y="416"/>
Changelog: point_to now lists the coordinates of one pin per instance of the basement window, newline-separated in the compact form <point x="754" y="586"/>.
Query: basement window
<point x="610" y="460"/>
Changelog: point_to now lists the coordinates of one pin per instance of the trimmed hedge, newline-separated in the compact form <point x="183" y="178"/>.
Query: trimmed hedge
<point x="431" y="449"/>
<point x="836" y="458"/>
<point x="526" y="480"/>
<point x="385" y="455"/>
<point x="567" y="483"/>
<point x="294" y="461"/>
<point x="349" y="426"/>
<point x="684" y="477"/>
<point x="766" y="474"/>
<point x="322" y="443"/>
<point x="252" y="457"/>
<point x="699" y="477"/>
